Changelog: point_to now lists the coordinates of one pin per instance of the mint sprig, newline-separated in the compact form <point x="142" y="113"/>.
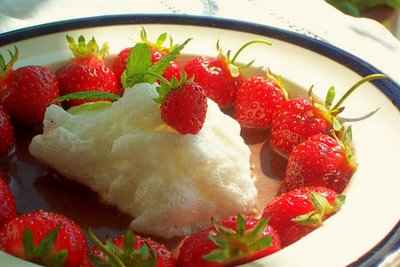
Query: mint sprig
<point x="139" y="64"/>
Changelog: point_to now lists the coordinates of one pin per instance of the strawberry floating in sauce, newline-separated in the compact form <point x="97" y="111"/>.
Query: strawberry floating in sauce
<point x="129" y="250"/>
<point x="44" y="238"/>
<point x="234" y="241"/>
<point x="219" y="76"/>
<point x="321" y="160"/>
<point x="298" y="212"/>
<point x="300" y="118"/>
<point x="87" y="70"/>
<point x="158" y="50"/>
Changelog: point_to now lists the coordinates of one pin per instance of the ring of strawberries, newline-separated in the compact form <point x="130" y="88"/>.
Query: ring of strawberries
<point x="313" y="137"/>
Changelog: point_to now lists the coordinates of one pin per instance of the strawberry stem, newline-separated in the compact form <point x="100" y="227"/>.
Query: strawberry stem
<point x="6" y="66"/>
<point x="104" y="249"/>
<point x="246" y="45"/>
<point x="357" y="85"/>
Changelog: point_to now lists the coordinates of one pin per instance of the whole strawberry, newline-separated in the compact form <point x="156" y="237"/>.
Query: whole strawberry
<point x="298" y="212"/>
<point x="44" y="238"/>
<point x="157" y="52"/>
<point x="131" y="250"/>
<point x="183" y="105"/>
<point x="30" y="92"/>
<point x="298" y="119"/>
<point x="7" y="208"/>
<point x="234" y="241"/>
<point x="7" y="139"/>
<point x="321" y="161"/>
<point x="87" y="71"/>
<point x="219" y="76"/>
<point x="257" y="99"/>
<point x="6" y="71"/>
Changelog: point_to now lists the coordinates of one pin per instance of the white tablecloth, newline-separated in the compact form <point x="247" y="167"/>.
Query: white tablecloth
<point x="362" y="37"/>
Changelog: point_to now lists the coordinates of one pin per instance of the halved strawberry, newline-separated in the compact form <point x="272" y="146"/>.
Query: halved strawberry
<point x="234" y="241"/>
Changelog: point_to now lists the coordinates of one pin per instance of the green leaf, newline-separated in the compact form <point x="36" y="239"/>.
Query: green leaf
<point x="139" y="61"/>
<point x="87" y="95"/>
<point x="259" y="229"/>
<point x="217" y="255"/>
<point x="240" y="225"/>
<point x="57" y="260"/>
<point x="337" y="125"/>
<point x="87" y="107"/>
<point x="346" y="7"/>
<point x="339" y="201"/>
<point x="261" y="243"/>
<point x="27" y="240"/>
<point x="234" y="70"/>
<point x="98" y="262"/>
<point x="161" y="39"/>
<point x="312" y="218"/>
<point x="47" y="243"/>
<point x="163" y="63"/>
<point x="330" y="96"/>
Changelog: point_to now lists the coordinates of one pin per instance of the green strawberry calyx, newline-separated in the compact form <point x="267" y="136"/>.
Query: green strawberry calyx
<point x="345" y="140"/>
<point x="159" y="43"/>
<point x="232" y="245"/>
<point x="127" y="256"/>
<point x="44" y="253"/>
<point x="139" y="65"/>
<point x="6" y="66"/>
<point x="322" y="209"/>
<point x="230" y="61"/>
<point x="330" y="111"/>
<point x="278" y="80"/>
<point x="81" y="49"/>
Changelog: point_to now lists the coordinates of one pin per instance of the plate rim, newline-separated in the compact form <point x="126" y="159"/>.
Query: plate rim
<point x="391" y="242"/>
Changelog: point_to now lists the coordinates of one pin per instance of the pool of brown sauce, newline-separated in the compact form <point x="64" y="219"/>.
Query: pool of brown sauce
<point x="35" y="186"/>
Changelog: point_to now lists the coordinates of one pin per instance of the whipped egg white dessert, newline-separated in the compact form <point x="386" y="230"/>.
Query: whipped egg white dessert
<point x="171" y="184"/>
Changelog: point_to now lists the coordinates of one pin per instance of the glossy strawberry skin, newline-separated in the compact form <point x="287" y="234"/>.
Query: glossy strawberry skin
<point x="87" y="74"/>
<point x="294" y="122"/>
<point x="7" y="138"/>
<point x="185" y="108"/>
<point x="319" y="161"/>
<point x="40" y="223"/>
<point x="8" y="210"/>
<point x="5" y="81"/>
<point x="257" y="99"/>
<point x="120" y="61"/>
<point x="31" y="91"/>
<point x="164" y="256"/>
<point x="194" y="247"/>
<point x="281" y="211"/>
<point x="214" y="76"/>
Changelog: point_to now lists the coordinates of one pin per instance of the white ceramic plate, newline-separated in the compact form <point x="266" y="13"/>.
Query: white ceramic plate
<point x="369" y="219"/>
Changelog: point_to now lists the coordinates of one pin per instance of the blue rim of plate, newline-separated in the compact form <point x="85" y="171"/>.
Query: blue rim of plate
<point x="390" y="88"/>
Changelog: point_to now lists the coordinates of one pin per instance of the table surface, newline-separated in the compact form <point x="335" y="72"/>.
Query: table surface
<point x="364" y="38"/>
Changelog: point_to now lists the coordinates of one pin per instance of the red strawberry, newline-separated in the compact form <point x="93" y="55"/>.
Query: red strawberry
<point x="132" y="251"/>
<point x="7" y="208"/>
<point x="157" y="52"/>
<point x="6" y="71"/>
<point x="183" y="105"/>
<point x="31" y="90"/>
<point x="45" y="238"/>
<point x="298" y="119"/>
<point x="7" y="139"/>
<point x="256" y="101"/>
<point x="219" y="76"/>
<point x="321" y="161"/>
<point x="298" y="212"/>
<point x="87" y="71"/>
<point x="235" y="241"/>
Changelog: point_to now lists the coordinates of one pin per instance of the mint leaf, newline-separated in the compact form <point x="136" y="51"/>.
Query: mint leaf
<point x="139" y="61"/>
<point x="87" y="95"/>
<point x="163" y="63"/>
